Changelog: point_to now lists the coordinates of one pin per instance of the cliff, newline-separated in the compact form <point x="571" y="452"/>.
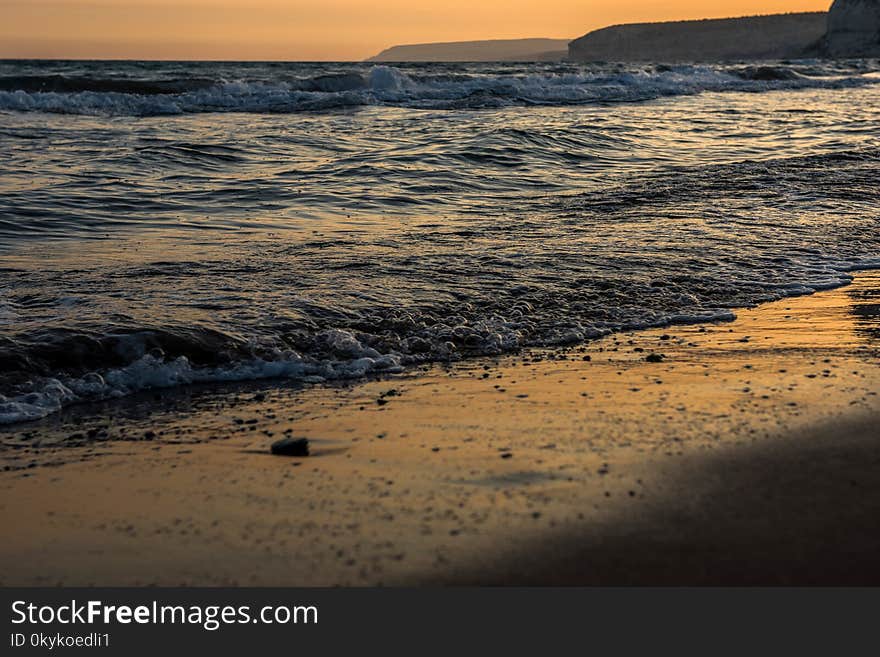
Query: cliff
<point x="854" y="29"/>
<point x="524" y="50"/>
<point x="777" y="36"/>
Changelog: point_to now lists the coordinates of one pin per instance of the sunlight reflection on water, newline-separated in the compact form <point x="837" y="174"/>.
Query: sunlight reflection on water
<point x="323" y="244"/>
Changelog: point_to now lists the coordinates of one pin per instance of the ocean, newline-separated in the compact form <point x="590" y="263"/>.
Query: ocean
<point x="163" y="224"/>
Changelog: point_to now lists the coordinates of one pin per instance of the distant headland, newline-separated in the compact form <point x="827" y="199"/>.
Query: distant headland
<point x="496" y="50"/>
<point x="850" y="29"/>
<point x="776" y="36"/>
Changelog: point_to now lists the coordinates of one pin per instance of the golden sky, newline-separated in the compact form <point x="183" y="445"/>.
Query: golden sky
<point x="319" y="29"/>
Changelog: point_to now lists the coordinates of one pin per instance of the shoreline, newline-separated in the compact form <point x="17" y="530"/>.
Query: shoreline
<point x="220" y="386"/>
<point x="519" y="469"/>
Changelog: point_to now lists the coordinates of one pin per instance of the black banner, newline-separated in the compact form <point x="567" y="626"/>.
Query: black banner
<point x="392" y="621"/>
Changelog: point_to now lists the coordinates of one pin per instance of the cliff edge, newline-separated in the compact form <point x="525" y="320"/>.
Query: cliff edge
<point x="853" y="29"/>
<point x="778" y="36"/>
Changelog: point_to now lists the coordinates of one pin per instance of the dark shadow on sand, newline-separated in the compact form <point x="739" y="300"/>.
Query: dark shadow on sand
<point x="800" y="511"/>
<point x="866" y="310"/>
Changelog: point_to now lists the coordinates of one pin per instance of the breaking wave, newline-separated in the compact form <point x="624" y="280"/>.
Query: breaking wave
<point x="340" y="354"/>
<point x="388" y="86"/>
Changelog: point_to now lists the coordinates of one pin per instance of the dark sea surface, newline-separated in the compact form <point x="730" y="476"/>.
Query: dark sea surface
<point x="165" y="223"/>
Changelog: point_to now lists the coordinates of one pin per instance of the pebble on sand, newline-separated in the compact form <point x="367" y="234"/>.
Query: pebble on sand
<point x="291" y="447"/>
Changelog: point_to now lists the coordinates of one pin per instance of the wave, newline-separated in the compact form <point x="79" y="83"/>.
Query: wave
<point x="342" y="355"/>
<point x="153" y="370"/>
<point x="81" y="84"/>
<point x="328" y="355"/>
<point x="388" y="86"/>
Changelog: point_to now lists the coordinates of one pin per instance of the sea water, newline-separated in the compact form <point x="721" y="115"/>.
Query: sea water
<point x="169" y="223"/>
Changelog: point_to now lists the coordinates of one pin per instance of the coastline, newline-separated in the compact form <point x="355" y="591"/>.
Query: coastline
<point x="583" y="465"/>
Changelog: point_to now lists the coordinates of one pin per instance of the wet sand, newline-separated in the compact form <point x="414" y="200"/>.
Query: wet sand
<point x="741" y="453"/>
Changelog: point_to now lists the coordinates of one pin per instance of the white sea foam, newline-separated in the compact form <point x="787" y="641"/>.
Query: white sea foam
<point x="150" y="372"/>
<point x="352" y="360"/>
<point x="384" y="85"/>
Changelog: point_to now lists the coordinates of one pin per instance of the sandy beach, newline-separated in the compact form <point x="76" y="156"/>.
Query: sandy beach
<point x="728" y="453"/>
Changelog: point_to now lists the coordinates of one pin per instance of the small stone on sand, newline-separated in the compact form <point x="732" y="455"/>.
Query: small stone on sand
<point x="291" y="447"/>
